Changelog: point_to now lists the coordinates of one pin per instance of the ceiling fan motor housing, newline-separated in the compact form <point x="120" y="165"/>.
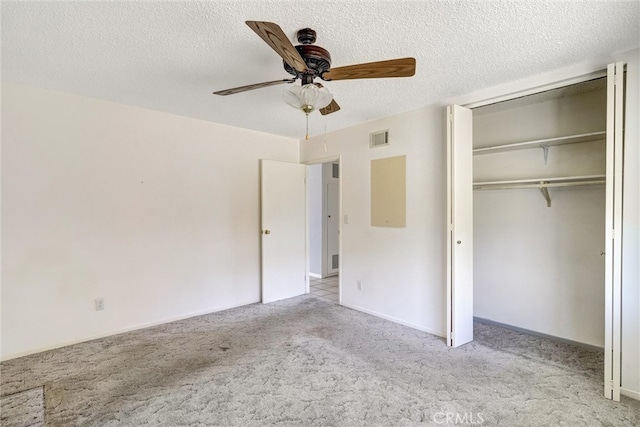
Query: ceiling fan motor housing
<point x="318" y="59"/>
<point x="306" y="36"/>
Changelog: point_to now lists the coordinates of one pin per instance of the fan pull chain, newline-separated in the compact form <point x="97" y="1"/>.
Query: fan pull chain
<point x="307" y="136"/>
<point x="325" y="137"/>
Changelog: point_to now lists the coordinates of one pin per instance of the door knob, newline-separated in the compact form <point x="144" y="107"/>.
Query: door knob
<point x="267" y="231"/>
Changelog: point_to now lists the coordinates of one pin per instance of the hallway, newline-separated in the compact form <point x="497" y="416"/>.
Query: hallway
<point x="326" y="289"/>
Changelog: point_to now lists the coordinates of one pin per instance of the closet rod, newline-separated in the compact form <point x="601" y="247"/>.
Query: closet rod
<point x="541" y="184"/>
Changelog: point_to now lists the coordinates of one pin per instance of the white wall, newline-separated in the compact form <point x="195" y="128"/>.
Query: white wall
<point x="539" y="267"/>
<point x="568" y="114"/>
<point x="402" y="269"/>
<point x="156" y="213"/>
<point x="314" y="197"/>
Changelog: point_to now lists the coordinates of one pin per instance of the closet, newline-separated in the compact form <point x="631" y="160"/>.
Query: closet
<point x="539" y="165"/>
<point x="543" y="172"/>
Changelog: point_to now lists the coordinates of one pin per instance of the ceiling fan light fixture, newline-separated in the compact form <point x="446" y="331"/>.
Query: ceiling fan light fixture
<point x="307" y="98"/>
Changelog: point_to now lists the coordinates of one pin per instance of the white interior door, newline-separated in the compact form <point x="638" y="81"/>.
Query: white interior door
<point x="333" y="216"/>
<point x="613" y="230"/>
<point x="460" y="220"/>
<point x="283" y="220"/>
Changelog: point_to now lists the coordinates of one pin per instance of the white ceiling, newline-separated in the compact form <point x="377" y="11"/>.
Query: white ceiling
<point x="171" y="56"/>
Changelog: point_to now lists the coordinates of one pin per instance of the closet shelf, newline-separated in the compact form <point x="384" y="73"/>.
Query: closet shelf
<point x="543" y="184"/>
<point x="542" y="143"/>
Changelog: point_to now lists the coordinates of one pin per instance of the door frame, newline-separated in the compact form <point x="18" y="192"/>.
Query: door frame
<point x="327" y="269"/>
<point x="330" y="159"/>
<point x="613" y="300"/>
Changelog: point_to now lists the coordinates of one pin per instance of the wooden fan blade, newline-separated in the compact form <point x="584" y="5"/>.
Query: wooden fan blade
<point x="403" y="67"/>
<point x="252" y="87"/>
<point x="331" y="108"/>
<point x="273" y="35"/>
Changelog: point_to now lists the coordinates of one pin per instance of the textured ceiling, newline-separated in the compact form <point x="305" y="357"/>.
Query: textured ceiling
<point x="171" y="56"/>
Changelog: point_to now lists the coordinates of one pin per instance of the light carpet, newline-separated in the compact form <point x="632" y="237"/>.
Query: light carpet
<point x="305" y="362"/>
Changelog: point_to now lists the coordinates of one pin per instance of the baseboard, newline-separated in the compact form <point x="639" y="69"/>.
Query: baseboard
<point x="395" y="320"/>
<point x="630" y="393"/>
<point x="540" y="334"/>
<point x="124" y="330"/>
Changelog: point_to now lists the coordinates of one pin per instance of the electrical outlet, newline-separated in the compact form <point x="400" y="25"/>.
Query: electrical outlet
<point x="99" y="303"/>
<point x="359" y="285"/>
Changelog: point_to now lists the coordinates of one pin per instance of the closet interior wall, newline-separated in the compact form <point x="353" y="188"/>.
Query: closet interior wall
<point x="540" y="267"/>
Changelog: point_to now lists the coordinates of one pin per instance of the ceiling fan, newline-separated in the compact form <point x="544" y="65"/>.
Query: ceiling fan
<point x="307" y="62"/>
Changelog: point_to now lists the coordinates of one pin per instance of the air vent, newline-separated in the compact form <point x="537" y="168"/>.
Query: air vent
<point x="335" y="170"/>
<point x="334" y="261"/>
<point x="379" y="139"/>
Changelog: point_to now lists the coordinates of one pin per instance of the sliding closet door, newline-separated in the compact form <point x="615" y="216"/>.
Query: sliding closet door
<point x="613" y="230"/>
<point x="460" y="224"/>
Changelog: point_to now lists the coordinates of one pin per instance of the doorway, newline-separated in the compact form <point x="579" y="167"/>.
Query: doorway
<point x="326" y="289"/>
<point x="323" y="189"/>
